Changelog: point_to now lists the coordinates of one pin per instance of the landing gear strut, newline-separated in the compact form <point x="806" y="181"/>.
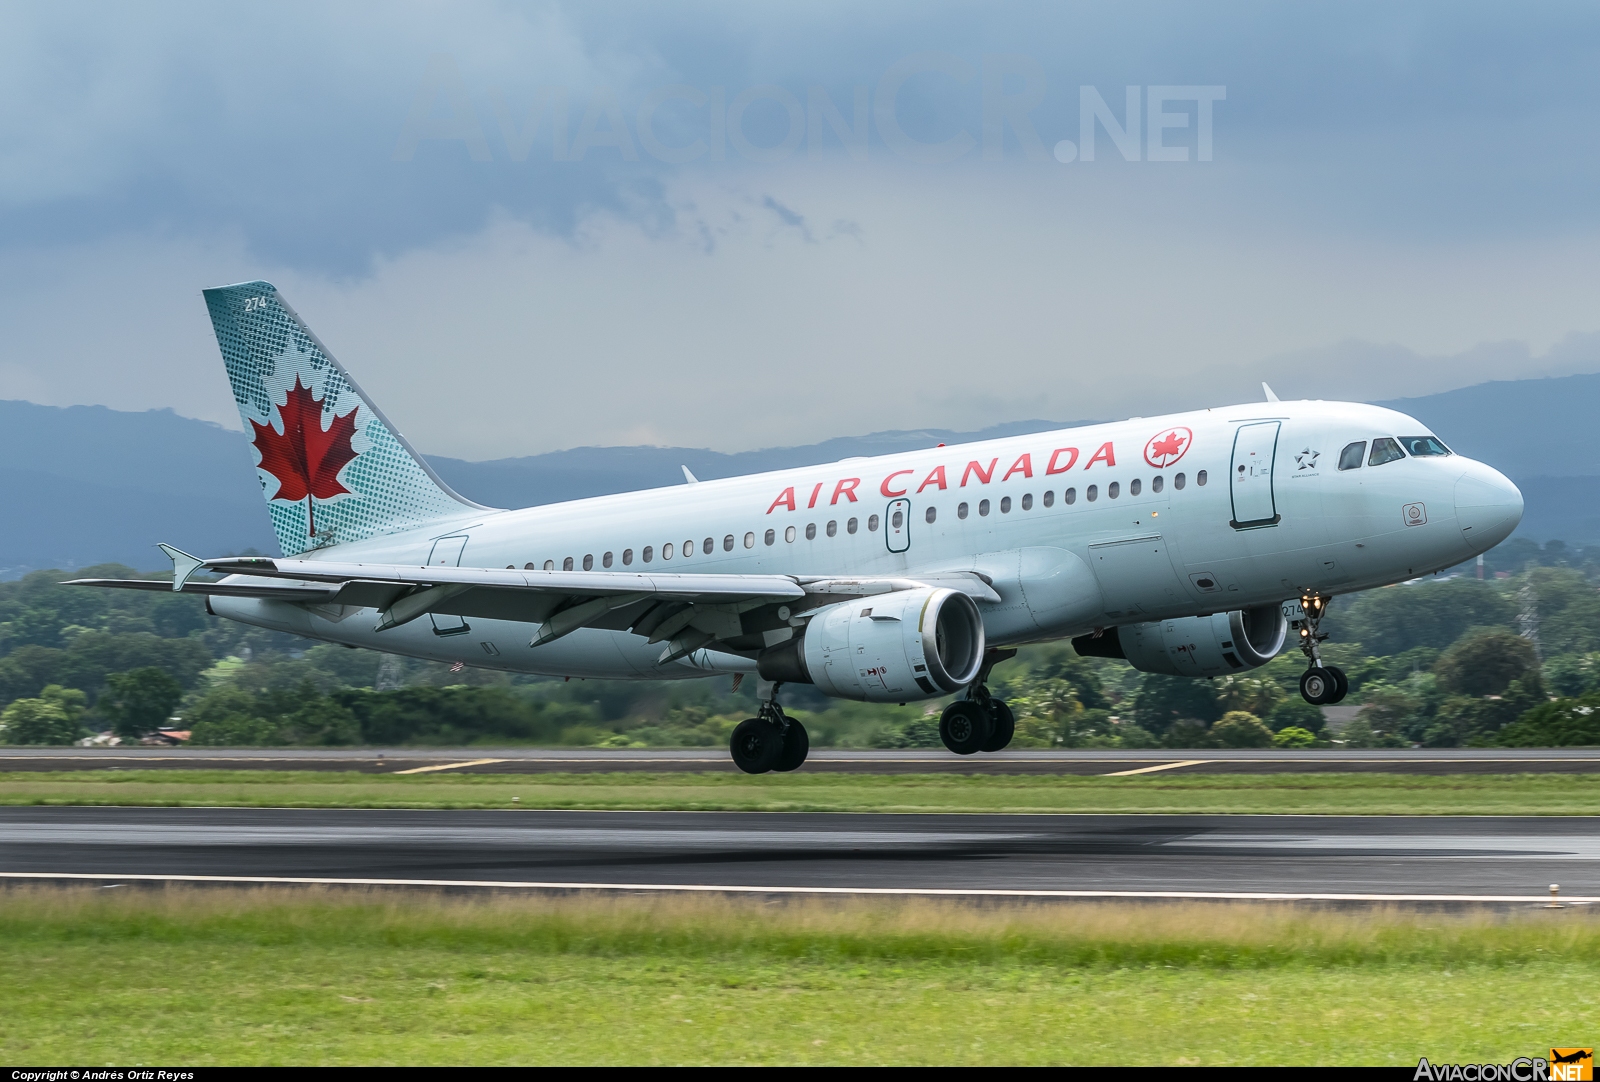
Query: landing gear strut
<point x="1320" y="685"/>
<point x="980" y="722"/>
<point x="771" y="740"/>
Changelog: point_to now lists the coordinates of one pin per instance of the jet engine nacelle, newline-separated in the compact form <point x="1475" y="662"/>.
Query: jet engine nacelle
<point x="1215" y="645"/>
<point x="887" y="648"/>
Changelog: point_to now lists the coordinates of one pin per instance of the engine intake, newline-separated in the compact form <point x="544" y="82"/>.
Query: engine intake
<point x="1195" y="645"/>
<point x="894" y="647"/>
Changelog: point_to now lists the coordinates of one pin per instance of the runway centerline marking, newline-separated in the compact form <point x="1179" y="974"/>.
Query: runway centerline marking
<point x="449" y="766"/>
<point x="1153" y="769"/>
<point x="703" y="888"/>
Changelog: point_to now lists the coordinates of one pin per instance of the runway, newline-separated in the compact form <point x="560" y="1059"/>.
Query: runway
<point x="822" y="760"/>
<point x="1278" y="856"/>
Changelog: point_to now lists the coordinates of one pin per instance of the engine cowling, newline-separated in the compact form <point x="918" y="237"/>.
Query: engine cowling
<point x="894" y="647"/>
<point x="1225" y="642"/>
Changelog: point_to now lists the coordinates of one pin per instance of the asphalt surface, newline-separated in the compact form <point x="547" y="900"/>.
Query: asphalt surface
<point x="1296" y="855"/>
<point x="715" y="760"/>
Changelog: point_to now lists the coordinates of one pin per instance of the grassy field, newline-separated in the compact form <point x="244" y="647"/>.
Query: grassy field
<point x="272" y="977"/>
<point x="1282" y="794"/>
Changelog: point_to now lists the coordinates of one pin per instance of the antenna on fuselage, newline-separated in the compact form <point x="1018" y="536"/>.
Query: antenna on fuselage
<point x="1270" y="396"/>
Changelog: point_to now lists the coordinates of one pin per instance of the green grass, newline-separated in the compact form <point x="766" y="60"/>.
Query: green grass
<point x="1282" y="794"/>
<point x="273" y="977"/>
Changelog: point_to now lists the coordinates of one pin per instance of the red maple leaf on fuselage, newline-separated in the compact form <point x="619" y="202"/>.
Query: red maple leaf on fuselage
<point x="306" y="458"/>
<point x="1169" y="446"/>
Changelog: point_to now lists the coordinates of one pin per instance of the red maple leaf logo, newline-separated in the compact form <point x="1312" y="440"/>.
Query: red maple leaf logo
<point x="1168" y="446"/>
<point x="306" y="458"/>
<point x="1164" y="450"/>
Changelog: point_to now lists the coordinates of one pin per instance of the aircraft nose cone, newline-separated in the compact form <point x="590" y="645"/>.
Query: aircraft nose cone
<point x="1488" y="507"/>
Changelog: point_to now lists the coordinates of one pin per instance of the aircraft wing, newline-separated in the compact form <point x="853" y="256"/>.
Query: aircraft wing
<point x="687" y="611"/>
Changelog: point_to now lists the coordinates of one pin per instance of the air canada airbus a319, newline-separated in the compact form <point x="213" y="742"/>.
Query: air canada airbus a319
<point x="1173" y="542"/>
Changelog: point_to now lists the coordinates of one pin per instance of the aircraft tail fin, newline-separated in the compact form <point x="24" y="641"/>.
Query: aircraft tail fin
<point x="332" y="467"/>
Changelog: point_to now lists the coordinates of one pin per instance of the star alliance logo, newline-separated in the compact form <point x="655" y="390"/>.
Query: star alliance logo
<point x="1307" y="459"/>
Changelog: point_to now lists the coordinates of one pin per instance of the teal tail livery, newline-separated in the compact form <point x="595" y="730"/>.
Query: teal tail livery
<point x="332" y="467"/>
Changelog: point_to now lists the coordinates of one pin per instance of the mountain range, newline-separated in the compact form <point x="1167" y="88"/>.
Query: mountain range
<point x="86" y="484"/>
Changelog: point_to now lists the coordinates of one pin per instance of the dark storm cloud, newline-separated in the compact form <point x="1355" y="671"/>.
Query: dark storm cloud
<point x="282" y="124"/>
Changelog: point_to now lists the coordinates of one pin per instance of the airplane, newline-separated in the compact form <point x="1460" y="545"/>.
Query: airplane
<point x="1171" y="542"/>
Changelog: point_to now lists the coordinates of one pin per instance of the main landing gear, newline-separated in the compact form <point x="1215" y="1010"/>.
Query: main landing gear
<point x="980" y="722"/>
<point x="1320" y="685"/>
<point x="771" y="740"/>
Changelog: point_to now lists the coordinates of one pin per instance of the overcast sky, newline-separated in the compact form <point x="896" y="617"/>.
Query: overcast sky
<point x="533" y="226"/>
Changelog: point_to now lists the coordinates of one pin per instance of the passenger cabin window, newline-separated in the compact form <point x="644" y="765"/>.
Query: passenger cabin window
<point x="983" y="507"/>
<point x="1423" y="446"/>
<point x="961" y="509"/>
<point x="933" y="513"/>
<point x="549" y="565"/>
<point x="833" y="528"/>
<point x="1049" y="498"/>
<point x="1350" y="457"/>
<point x="709" y="545"/>
<point x="727" y="543"/>
<point x="1133" y="487"/>
<point x="627" y="557"/>
<point x="1199" y="479"/>
<point x="588" y="562"/>
<point x="1384" y="450"/>
<point x="1070" y="496"/>
<point x="1155" y="484"/>
<point x="1113" y="489"/>
<point x="788" y="535"/>
<point x="1091" y="493"/>
<point x="850" y="527"/>
<point x="1179" y="481"/>
<point x="566" y="565"/>
<point x="647" y="553"/>
<point x="1027" y="501"/>
<point x="811" y="531"/>
<point x="872" y="523"/>
<point x="770" y="537"/>
<point x="750" y="540"/>
<point x="1005" y="505"/>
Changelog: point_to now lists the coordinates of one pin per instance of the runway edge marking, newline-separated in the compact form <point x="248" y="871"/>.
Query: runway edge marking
<point x="700" y="888"/>
<point x="449" y="766"/>
<point x="1153" y="769"/>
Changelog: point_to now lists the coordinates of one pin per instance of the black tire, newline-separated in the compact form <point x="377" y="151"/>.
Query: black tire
<point x="796" y="746"/>
<point x="1318" y="686"/>
<point x="1004" y="724"/>
<point x="757" y="745"/>
<point x="965" y="727"/>
<point x="1341" y="685"/>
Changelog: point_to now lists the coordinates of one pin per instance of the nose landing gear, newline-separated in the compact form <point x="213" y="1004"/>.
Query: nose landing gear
<point x="771" y="740"/>
<point x="1320" y="685"/>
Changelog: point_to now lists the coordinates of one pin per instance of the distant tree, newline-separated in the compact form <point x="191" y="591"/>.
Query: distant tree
<point x="1485" y="664"/>
<point x="1294" y="737"/>
<point x="1573" y="675"/>
<point x="140" y="701"/>
<point x="1562" y="723"/>
<point x="1237" y="729"/>
<point x="1295" y="712"/>
<point x="55" y="717"/>
<point x="1432" y="614"/>
<point x="1164" y="700"/>
<point x="1188" y="733"/>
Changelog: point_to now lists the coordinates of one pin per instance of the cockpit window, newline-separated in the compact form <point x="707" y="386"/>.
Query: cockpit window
<point x="1422" y="446"/>
<point x="1350" y="457"/>
<point x="1384" y="450"/>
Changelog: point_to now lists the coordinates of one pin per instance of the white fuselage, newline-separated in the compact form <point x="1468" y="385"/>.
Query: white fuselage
<point x="1261" y="513"/>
